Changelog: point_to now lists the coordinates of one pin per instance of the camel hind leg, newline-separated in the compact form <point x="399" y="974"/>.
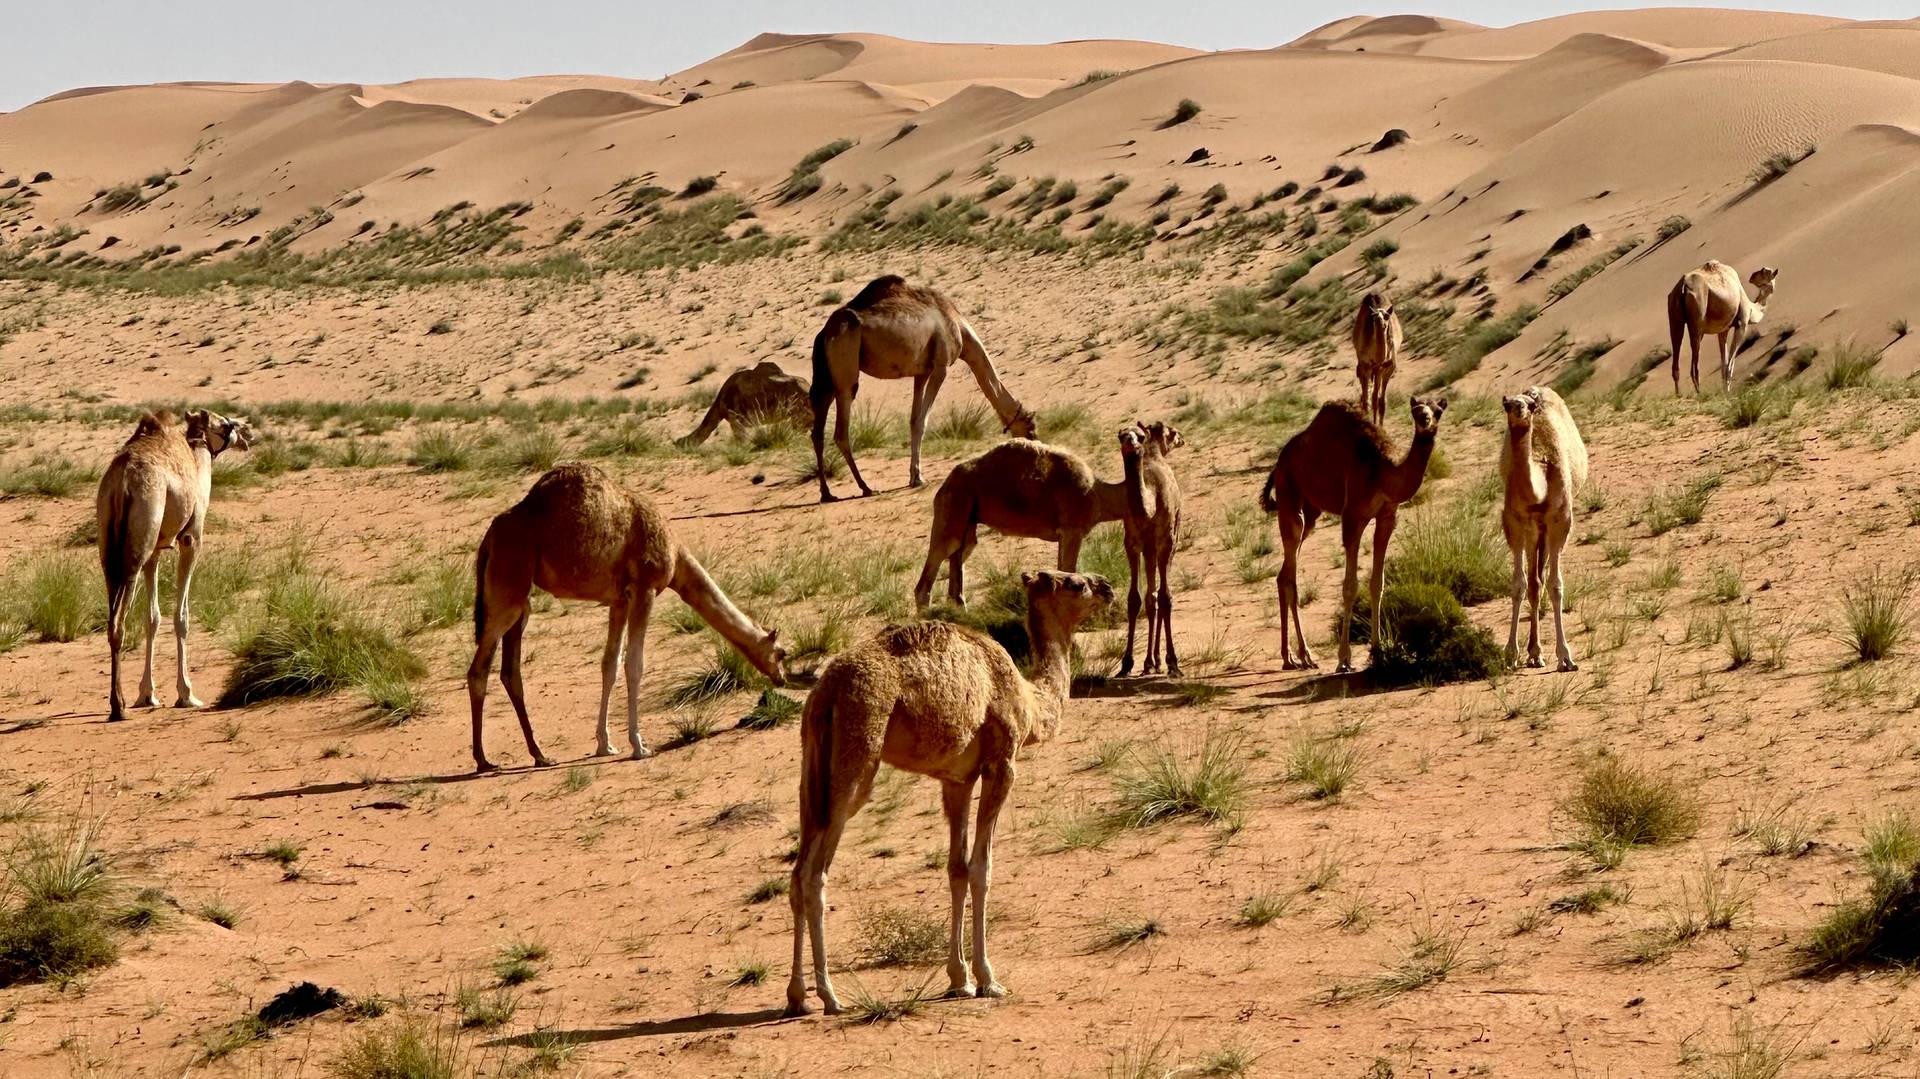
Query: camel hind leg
<point x="639" y="609"/>
<point x="1133" y="604"/>
<point x="502" y="582"/>
<point x="150" y="586"/>
<point x="807" y="893"/>
<point x="609" y="673"/>
<point x="183" y="684"/>
<point x="118" y="594"/>
<point x="1535" y="551"/>
<point x="945" y="540"/>
<point x="955" y="799"/>
<point x="1557" y="531"/>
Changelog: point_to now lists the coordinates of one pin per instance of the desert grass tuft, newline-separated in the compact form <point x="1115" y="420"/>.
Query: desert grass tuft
<point x="1875" y="608"/>
<point x="1619" y="805"/>
<point x="1207" y="783"/>
<point x="898" y="936"/>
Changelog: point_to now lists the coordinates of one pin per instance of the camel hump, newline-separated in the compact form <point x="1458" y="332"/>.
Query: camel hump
<point x="880" y="288"/>
<point x="1353" y="421"/>
<point x="920" y="637"/>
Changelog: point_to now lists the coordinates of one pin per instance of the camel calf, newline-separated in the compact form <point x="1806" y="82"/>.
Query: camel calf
<point x="154" y="496"/>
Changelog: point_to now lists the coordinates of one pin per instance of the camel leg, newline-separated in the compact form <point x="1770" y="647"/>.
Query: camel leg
<point x="1166" y="611"/>
<point x="1382" y="533"/>
<point x="1693" y="350"/>
<point x="1133" y="607"/>
<point x="808" y="893"/>
<point x="1070" y="551"/>
<point x="1556" y="542"/>
<point x="957" y="564"/>
<point x="1350" y="529"/>
<point x="486" y="640"/>
<point x="189" y="553"/>
<point x="1533" y="599"/>
<point x="1727" y="349"/>
<point x="150" y="585"/>
<point x="1676" y="328"/>
<point x="820" y="452"/>
<point x="1286" y="581"/>
<point x="638" y="612"/>
<point x="609" y="671"/>
<point x="996" y="780"/>
<point x="925" y="388"/>
<point x="118" y="593"/>
<point x="942" y="544"/>
<point x="955" y="799"/>
<point x="516" y="688"/>
<point x="842" y="425"/>
<point x="1152" y="665"/>
<point x="1307" y="519"/>
<point x="1519" y="588"/>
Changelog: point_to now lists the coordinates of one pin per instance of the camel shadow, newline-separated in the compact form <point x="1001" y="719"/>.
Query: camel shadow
<point x="794" y="507"/>
<point x="690" y="1024"/>
<point x="352" y="785"/>
<point x="1326" y="687"/>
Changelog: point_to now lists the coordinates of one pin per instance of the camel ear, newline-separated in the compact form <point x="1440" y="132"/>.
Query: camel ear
<point x="196" y="415"/>
<point x="1439" y="405"/>
<point x="1174" y="438"/>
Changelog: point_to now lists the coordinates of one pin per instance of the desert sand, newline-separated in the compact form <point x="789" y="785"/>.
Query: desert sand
<point x="567" y="266"/>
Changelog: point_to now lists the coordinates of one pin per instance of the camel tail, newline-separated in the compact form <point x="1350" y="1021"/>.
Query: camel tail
<point x="1269" y="499"/>
<point x="821" y="391"/>
<point x="118" y="562"/>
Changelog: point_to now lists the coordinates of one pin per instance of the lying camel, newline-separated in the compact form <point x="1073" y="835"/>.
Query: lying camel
<point x="753" y="397"/>
<point x="944" y="701"/>
<point x="1543" y="464"/>
<point x="1376" y="349"/>
<point x="1018" y="488"/>
<point x="154" y="496"/>
<point x="1712" y="301"/>
<point x="579" y="535"/>
<point x="896" y="330"/>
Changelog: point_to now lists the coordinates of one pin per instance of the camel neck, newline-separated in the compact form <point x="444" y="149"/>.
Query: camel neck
<point x="1052" y="677"/>
<point x="1135" y="483"/>
<point x="1524" y="477"/>
<point x="974" y="354"/>
<point x="1402" y="481"/>
<point x="691" y="583"/>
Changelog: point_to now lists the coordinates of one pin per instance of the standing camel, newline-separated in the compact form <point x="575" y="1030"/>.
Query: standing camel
<point x="1711" y="300"/>
<point x="896" y="330"/>
<point x="751" y="396"/>
<point x="1543" y="464"/>
<point x="1376" y="349"/>
<point x="1153" y="524"/>
<point x="944" y="701"/>
<point x="1018" y="488"/>
<point x="579" y="535"/>
<point x="154" y="496"/>
<point x="1343" y="464"/>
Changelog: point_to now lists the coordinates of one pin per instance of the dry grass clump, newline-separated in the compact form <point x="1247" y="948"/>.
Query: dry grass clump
<point x="1883" y="928"/>
<point x="1877" y="617"/>
<point x="892" y="936"/>
<point x="1618" y="805"/>
<point x="60" y="914"/>
<point x="1208" y="784"/>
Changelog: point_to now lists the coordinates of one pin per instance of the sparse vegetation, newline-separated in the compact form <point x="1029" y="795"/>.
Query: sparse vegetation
<point x="1619" y="805"/>
<point x="1160" y="784"/>
<point x="1874" y="607"/>
<point x="1186" y="110"/>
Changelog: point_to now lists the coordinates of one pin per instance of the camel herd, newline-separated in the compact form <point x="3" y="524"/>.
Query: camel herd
<point x="929" y="697"/>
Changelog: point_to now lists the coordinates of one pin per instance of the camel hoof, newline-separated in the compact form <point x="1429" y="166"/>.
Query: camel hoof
<point x="1568" y="665"/>
<point x="796" y="1009"/>
<point x="832" y="1007"/>
<point x="148" y="701"/>
<point x="1173" y="670"/>
<point x="915" y="482"/>
<point x="866" y="492"/>
<point x="483" y="766"/>
<point x="1535" y="662"/>
<point x="604" y="751"/>
<point x="1344" y="668"/>
<point x="829" y="496"/>
<point x="1126" y="669"/>
<point x="991" y="991"/>
<point x="958" y="992"/>
<point x="641" y="753"/>
<point x="541" y="762"/>
<point x="189" y="701"/>
<point x="116" y="717"/>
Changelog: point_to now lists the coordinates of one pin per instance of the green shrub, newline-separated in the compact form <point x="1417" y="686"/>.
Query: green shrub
<point x="1208" y="784"/>
<point x="1883" y="929"/>
<point x="57" y="913"/>
<point x="412" y="1049"/>
<point x="1876" y="612"/>
<point x="1667" y="510"/>
<point x="308" y="640"/>
<point x="1852" y="367"/>
<point x="773" y="709"/>
<point x="48" y="475"/>
<point x="534" y="449"/>
<point x="727" y="672"/>
<point x="443" y="594"/>
<point x="1430" y="639"/>
<point x="56" y="595"/>
<point x="1457" y="547"/>
<point x="1620" y="805"/>
<point x="1186" y="110"/>
<point x="441" y="449"/>
<point x="901" y="937"/>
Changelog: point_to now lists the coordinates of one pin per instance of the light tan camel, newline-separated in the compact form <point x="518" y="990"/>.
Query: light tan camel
<point x="154" y="496"/>
<point x="1543" y="465"/>
<point x="579" y="535"/>
<point x="896" y="330"/>
<point x="1018" y="488"/>
<point x="1376" y="349"/>
<point x="943" y="701"/>
<point x="751" y="397"/>
<point x="1711" y="300"/>
<point x="1343" y="464"/>
<point x="1153" y="524"/>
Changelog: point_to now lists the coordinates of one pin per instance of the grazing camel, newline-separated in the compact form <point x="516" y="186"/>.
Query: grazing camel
<point x="944" y="701"/>
<point x="579" y="535"/>
<point x="1343" y="464"/>
<point x="896" y="330"/>
<point x="1018" y="488"/>
<point x="1543" y="464"/>
<point x="1153" y="523"/>
<point x="1376" y="348"/>
<point x="154" y="496"/>
<point x="1711" y="300"/>
<point x="753" y="396"/>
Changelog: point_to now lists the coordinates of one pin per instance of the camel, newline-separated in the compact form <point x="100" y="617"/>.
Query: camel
<point x="1543" y="464"/>
<point x="579" y="535"/>
<point x="1376" y="348"/>
<point x="1018" y="488"/>
<point x="896" y="330"/>
<point x="1342" y="463"/>
<point x="943" y="701"/>
<point x="1153" y="523"/>
<point x="1711" y="300"/>
<point x="154" y="496"/>
<point x="751" y="397"/>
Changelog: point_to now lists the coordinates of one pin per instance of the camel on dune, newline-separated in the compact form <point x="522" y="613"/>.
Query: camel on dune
<point x="944" y="701"/>
<point x="751" y="397"/>
<point x="896" y="330"/>
<point x="1343" y="464"/>
<point x="1153" y="524"/>
<point x="1018" y="488"/>
<point x="1543" y="464"/>
<point x="1712" y="301"/>
<point x="154" y="496"/>
<point x="1376" y="349"/>
<point x="579" y="535"/>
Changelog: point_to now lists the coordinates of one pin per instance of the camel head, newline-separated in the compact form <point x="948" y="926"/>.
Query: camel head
<point x="1762" y="281"/>
<point x="1164" y="436"/>
<point x="1021" y="424"/>
<point x="1520" y="408"/>
<point x="1380" y="308"/>
<point x="1066" y="598"/>
<point x="1426" y="414"/>
<point x="218" y="432"/>
<point x="1132" y="438"/>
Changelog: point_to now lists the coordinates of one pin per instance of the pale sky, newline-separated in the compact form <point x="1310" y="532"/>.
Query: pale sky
<point x="53" y="45"/>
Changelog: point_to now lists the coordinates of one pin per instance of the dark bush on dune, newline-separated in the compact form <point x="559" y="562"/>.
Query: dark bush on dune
<point x="1429" y="640"/>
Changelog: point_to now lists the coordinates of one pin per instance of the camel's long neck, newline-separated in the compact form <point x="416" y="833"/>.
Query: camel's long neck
<point x="1136" y="486"/>
<point x="691" y="583"/>
<point x="1402" y="481"/>
<point x="974" y="355"/>
<point x="1525" y="478"/>
<point x="1052" y="676"/>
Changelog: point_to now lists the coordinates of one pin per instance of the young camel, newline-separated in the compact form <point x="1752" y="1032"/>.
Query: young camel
<point x="154" y="496"/>
<point x="1543" y="465"/>
<point x="1343" y="464"/>
<point x="896" y="330"/>
<point x="1376" y="349"/>
<point x="944" y="701"/>
<point x="579" y="535"/>
<point x="750" y="396"/>
<point x="1711" y="300"/>
<point x="1018" y="488"/>
<point x="1153" y="523"/>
